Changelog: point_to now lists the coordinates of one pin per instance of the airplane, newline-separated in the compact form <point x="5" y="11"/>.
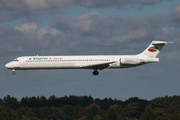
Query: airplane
<point x="92" y="62"/>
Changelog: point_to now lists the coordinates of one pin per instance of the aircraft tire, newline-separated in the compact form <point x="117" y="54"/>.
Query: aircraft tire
<point x="95" y="72"/>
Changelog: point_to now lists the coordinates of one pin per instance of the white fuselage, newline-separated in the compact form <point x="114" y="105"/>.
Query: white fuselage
<point x="72" y="62"/>
<point x="94" y="62"/>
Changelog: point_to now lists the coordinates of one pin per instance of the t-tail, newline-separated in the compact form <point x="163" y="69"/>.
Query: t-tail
<point x="153" y="49"/>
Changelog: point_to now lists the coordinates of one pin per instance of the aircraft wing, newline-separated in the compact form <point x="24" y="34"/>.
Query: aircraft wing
<point x="99" y="66"/>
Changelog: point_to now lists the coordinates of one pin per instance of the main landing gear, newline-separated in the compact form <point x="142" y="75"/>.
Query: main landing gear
<point x="13" y="72"/>
<point x="95" y="72"/>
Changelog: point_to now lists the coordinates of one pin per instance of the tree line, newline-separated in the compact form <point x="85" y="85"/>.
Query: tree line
<point x="86" y="108"/>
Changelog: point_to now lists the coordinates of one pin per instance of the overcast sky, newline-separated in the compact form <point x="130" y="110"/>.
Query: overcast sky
<point x="90" y="27"/>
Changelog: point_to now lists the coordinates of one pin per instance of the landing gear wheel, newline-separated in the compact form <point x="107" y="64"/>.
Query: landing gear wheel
<point x="13" y="72"/>
<point x="95" y="72"/>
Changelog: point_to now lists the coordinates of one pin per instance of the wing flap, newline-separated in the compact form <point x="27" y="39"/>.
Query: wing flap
<point x="99" y="66"/>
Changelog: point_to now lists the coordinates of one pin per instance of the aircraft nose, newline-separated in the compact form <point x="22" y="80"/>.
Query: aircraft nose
<point x="8" y="65"/>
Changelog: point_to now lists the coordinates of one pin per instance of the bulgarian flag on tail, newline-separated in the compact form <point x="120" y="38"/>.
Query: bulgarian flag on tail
<point x="153" y="49"/>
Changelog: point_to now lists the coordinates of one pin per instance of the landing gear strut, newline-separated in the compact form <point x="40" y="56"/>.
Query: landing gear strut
<point x="13" y="72"/>
<point x="95" y="72"/>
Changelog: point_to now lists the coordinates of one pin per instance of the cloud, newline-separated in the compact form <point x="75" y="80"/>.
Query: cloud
<point x="46" y="4"/>
<point x="95" y="29"/>
<point x="101" y="29"/>
<point x="29" y="27"/>
<point x="30" y="39"/>
<point x="27" y="9"/>
<point x="87" y="31"/>
<point x="8" y="37"/>
<point x="121" y="4"/>
<point x="84" y="34"/>
<point x="175" y="17"/>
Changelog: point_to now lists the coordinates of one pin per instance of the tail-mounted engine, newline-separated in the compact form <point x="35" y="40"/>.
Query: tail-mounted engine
<point x="131" y="61"/>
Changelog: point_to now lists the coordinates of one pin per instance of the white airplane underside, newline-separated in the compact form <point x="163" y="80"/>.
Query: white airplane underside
<point x="94" y="62"/>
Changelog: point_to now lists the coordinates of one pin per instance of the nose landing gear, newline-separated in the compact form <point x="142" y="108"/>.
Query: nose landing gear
<point x="13" y="72"/>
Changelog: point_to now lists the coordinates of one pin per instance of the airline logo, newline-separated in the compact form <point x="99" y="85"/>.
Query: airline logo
<point x="42" y="58"/>
<point x="153" y="49"/>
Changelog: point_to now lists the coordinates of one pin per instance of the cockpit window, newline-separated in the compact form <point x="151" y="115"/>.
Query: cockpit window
<point x="16" y="59"/>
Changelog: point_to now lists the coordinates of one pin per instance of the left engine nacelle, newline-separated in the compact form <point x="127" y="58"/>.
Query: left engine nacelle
<point x="131" y="61"/>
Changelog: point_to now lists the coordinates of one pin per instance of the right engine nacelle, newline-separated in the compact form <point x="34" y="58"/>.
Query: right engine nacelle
<point x="130" y="61"/>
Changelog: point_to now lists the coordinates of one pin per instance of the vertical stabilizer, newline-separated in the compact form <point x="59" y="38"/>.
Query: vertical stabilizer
<point x="153" y="49"/>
